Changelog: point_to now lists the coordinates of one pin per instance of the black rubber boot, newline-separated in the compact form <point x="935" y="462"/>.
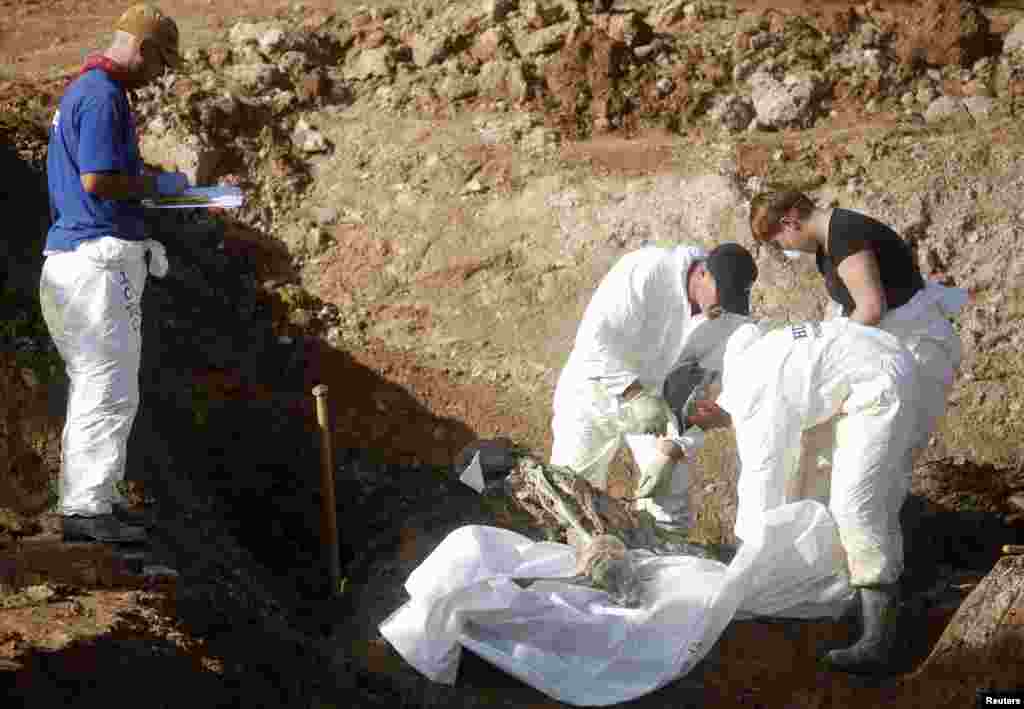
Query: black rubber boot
<point x="106" y="529"/>
<point x="874" y="654"/>
<point x="133" y="518"/>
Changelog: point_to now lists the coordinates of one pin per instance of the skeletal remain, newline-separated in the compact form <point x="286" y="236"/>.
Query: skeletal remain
<point x="602" y="560"/>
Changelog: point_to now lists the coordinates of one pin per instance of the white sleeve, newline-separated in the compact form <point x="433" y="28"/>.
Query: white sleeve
<point x="615" y="319"/>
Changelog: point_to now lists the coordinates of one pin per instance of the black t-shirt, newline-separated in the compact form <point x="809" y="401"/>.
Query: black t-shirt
<point x="850" y="233"/>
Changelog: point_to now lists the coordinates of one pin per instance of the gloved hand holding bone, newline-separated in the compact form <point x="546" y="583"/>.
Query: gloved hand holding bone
<point x="645" y="412"/>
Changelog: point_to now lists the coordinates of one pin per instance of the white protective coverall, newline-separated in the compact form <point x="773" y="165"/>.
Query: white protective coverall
<point x="922" y="325"/>
<point x="779" y="383"/>
<point x="633" y="330"/>
<point x="91" y="300"/>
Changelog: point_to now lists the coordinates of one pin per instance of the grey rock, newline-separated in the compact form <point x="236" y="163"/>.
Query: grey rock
<point x="172" y="150"/>
<point x="946" y="108"/>
<point x="324" y="216"/>
<point x="293" y="62"/>
<point x="39" y="594"/>
<point x="474" y="186"/>
<point x="497" y="10"/>
<point x="733" y="113"/>
<point x="763" y="40"/>
<point x="926" y="94"/>
<point x="245" y="33"/>
<point x="541" y="13"/>
<point x="646" y="50"/>
<point x="308" y="139"/>
<point x="255" y="78"/>
<point x="1014" y="39"/>
<point x="272" y="40"/>
<point x="269" y="38"/>
<point x="372" y="62"/>
<point x="780" y="104"/>
<point x="664" y="86"/>
<point x="873" y="59"/>
<point x="430" y="48"/>
<point x="543" y="41"/>
<point x="980" y="107"/>
<point x="743" y="69"/>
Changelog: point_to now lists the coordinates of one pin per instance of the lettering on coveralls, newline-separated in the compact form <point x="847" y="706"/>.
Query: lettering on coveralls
<point x="805" y="329"/>
<point x="131" y="304"/>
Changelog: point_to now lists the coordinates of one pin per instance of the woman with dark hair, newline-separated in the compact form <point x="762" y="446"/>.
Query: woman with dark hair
<point x="870" y="273"/>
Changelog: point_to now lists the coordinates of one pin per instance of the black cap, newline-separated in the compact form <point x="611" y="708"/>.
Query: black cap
<point x="735" y="271"/>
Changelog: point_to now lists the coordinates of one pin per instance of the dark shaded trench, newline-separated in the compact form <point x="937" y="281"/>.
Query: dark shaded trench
<point x="226" y="446"/>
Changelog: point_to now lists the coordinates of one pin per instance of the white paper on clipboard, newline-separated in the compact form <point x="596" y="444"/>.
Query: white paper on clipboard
<point x="222" y="196"/>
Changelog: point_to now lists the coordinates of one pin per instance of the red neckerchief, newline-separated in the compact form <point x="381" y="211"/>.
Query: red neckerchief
<point x="115" y="71"/>
<point x="97" y="61"/>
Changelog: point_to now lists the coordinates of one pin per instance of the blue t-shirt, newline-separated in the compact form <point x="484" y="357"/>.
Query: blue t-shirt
<point x="92" y="131"/>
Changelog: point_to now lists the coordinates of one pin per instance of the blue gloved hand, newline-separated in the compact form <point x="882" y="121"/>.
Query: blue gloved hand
<point x="170" y="183"/>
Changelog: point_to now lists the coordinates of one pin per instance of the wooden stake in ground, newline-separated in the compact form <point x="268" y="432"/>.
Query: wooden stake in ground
<point x="328" y="510"/>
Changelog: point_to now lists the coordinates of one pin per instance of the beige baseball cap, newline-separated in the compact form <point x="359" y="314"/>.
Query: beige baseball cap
<point x="148" y="22"/>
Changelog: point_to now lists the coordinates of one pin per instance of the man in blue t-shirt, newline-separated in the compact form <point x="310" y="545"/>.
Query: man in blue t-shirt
<point x="96" y="266"/>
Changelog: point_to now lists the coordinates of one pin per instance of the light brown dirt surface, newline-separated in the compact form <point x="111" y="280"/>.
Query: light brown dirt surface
<point x="429" y="262"/>
<point x="48" y="37"/>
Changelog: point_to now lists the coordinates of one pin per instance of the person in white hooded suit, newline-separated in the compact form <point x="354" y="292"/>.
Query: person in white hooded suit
<point x="634" y="332"/>
<point x="777" y="384"/>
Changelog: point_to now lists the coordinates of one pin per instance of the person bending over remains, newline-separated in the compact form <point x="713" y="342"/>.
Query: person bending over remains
<point x="633" y="333"/>
<point x="775" y="385"/>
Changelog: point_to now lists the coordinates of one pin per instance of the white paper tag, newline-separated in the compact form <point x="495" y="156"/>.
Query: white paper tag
<point x="473" y="475"/>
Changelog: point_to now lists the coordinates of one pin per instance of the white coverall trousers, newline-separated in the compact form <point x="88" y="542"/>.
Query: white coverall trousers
<point x="802" y="375"/>
<point x="91" y="300"/>
<point x="587" y="434"/>
<point x="922" y="325"/>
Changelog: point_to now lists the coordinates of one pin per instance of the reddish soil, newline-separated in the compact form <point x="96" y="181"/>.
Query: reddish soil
<point x="352" y="264"/>
<point x="497" y="165"/>
<point x="582" y="80"/>
<point x="646" y="153"/>
<point x="42" y="36"/>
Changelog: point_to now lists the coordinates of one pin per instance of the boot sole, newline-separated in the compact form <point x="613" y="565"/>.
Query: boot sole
<point x="89" y="539"/>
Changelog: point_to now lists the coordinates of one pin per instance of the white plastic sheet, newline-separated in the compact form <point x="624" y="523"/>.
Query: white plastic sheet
<point x="573" y="643"/>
